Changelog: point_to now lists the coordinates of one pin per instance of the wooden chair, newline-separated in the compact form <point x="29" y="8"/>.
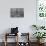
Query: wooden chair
<point x="27" y="37"/>
<point x="8" y="34"/>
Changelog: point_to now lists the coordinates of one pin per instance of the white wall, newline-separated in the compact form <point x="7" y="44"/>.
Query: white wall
<point x="23" y="23"/>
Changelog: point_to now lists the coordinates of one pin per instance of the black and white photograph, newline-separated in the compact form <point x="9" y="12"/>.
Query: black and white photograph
<point x="17" y="12"/>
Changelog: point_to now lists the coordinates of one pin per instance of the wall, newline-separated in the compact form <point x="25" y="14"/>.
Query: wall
<point x="24" y="24"/>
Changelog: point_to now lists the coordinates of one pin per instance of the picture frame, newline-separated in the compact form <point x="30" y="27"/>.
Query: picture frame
<point x="17" y="12"/>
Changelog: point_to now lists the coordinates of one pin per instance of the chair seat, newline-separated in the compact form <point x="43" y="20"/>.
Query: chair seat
<point x="9" y="34"/>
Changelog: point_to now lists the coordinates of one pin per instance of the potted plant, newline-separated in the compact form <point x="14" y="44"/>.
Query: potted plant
<point x="39" y="35"/>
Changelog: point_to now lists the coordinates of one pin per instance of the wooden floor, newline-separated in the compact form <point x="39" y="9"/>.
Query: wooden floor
<point x="13" y="44"/>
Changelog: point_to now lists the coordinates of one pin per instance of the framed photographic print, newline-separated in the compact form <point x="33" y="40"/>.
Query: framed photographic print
<point x="41" y="12"/>
<point x="17" y="12"/>
<point x="41" y="8"/>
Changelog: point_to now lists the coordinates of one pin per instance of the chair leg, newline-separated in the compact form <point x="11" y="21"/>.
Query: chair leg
<point x="5" y="43"/>
<point x="17" y="39"/>
<point x="5" y="40"/>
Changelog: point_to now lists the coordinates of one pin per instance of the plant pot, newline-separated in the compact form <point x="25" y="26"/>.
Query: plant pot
<point x="40" y="41"/>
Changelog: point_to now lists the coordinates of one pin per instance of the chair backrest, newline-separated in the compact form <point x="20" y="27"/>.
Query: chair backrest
<point x="14" y="30"/>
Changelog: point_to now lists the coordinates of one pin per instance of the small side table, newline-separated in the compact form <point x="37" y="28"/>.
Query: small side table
<point x="8" y="34"/>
